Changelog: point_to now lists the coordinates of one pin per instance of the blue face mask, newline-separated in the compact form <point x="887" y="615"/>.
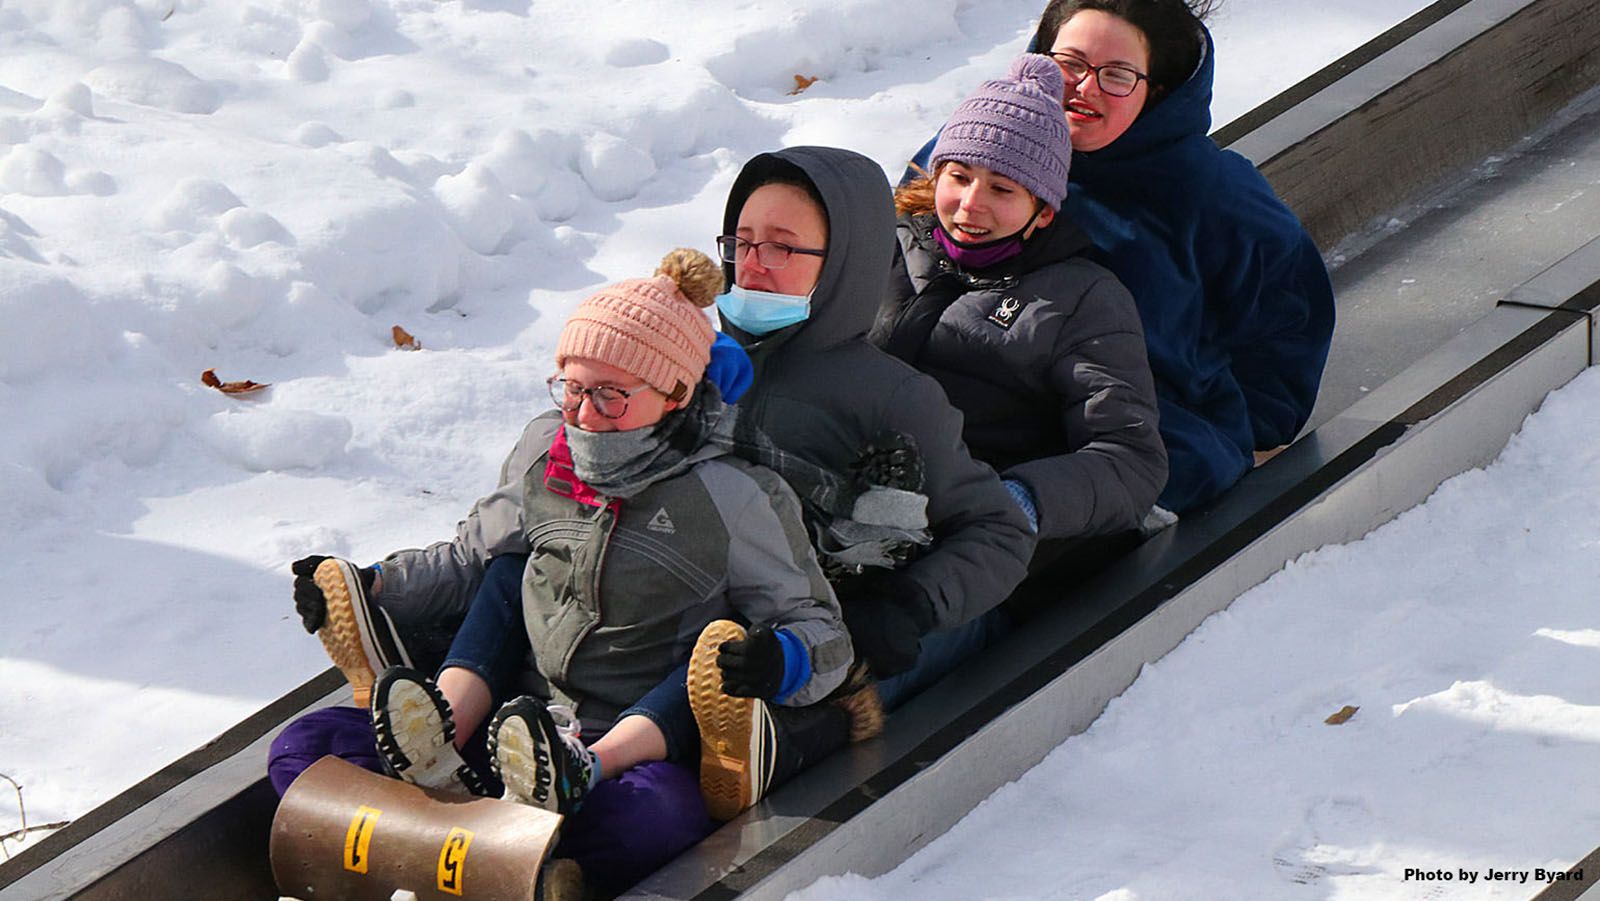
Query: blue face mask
<point x="762" y="312"/>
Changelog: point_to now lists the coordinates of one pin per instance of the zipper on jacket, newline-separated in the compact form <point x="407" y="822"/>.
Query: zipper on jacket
<point x="605" y="548"/>
<point x="599" y="565"/>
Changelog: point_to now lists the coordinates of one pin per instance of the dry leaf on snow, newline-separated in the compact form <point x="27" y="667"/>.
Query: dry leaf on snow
<point x="801" y="83"/>
<point x="209" y="378"/>
<point x="404" y="340"/>
<point x="1343" y="716"/>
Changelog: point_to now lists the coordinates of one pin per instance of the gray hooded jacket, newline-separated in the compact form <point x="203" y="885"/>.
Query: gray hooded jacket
<point x="823" y="393"/>
<point x="614" y="597"/>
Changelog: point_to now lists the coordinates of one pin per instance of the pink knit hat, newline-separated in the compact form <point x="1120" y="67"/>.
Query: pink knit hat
<point x="650" y="327"/>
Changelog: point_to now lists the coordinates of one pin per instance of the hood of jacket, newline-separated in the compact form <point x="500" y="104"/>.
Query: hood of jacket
<point x="860" y="211"/>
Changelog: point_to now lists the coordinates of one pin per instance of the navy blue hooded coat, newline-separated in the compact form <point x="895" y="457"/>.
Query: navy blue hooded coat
<point x="1235" y="301"/>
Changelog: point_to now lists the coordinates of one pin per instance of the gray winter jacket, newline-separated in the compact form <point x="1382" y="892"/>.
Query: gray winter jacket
<point x="614" y="596"/>
<point x="823" y="393"/>
<point x="1045" y="357"/>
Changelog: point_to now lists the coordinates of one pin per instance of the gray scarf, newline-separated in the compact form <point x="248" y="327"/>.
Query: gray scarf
<point x="622" y="464"/>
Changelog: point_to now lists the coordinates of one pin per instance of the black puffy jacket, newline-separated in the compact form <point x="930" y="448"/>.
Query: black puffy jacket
<point x="1044" y="356"/>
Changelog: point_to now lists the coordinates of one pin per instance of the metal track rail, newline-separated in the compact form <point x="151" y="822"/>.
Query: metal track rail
<point x="1576" y="889"/>
<point x="1395" y="120"/>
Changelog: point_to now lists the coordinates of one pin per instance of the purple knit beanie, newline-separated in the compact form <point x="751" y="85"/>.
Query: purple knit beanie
<point x="1015" y="126"/>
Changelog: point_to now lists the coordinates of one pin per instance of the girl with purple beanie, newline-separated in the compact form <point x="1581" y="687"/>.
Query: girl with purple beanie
<point x="1041" y="349"/>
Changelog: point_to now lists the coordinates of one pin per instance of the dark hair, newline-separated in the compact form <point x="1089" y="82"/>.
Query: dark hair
<point x="1170" y="27"/>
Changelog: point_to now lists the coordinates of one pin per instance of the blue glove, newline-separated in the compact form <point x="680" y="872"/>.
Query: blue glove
<point x="1025" y="500"/>
<point x="730" y="368"/>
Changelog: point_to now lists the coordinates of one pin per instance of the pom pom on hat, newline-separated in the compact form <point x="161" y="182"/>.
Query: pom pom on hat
<point x="650" y="327"/>
<point x="1016" y="127"/>
<point x="1043" y="72"/>
<point x="694" y="273"/>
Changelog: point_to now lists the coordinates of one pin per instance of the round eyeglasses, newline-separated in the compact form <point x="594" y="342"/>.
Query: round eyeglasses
<point x="609" y="401"/>
<point x="770" y="254"/>
<point x="1116" y="80"/>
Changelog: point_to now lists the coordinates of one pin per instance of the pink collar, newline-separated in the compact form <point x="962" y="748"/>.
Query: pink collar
<point x="560" y="478"/>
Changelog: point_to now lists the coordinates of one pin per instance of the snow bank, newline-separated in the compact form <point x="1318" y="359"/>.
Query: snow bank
<point x="265" y="439"/>
<point x="155" y="82"/>
<point x="46" y="324"/>
<point x="825" y="42"/>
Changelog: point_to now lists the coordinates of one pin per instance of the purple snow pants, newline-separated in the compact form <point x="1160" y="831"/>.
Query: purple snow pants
<point x="627" y="828"/>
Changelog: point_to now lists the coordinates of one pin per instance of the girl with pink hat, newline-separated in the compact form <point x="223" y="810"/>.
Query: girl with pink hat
<point x="623" y="526"/>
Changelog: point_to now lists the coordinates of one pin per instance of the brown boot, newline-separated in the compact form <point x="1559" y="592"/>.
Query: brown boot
<point x="747" y="746"/>
<point x="858" y="697"/>
<point x="358" y="636"/>
<point x="735" y="733"/>
<point x="561" y="879"/>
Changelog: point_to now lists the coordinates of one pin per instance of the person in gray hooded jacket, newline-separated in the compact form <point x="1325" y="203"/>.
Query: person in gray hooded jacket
<point x="632" y="531"/>
<point x="808" y="236"/>
<point x="1041" y="349"/>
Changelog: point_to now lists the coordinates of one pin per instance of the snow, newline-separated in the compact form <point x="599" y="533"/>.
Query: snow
<point x="266" y="187"/>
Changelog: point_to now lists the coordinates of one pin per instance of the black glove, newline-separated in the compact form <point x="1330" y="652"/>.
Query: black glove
<point x="308" y="599"/>
<point x="753" y="667"/>
<point x="891" y="460"/>
<point x="887" y="614"/>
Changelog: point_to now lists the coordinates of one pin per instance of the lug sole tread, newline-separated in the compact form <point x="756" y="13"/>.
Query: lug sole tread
<point x="727" y="770"/>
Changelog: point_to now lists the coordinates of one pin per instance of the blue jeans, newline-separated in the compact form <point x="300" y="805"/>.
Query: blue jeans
<point x="942" y="652"/>
<point x="667" y="705"/>
<point x="493" y="643"/>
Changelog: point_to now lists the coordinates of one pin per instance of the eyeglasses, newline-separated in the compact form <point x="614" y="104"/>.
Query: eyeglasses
<point x="1116" y="80"/>
<point x="770" y="254"/>
<point x="607" y="400"/>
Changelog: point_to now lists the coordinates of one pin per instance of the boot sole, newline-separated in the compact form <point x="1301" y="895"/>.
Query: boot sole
<point x="349" y="633"/>
<point x="731" y="745"/>
<point x="521" y="761"/>
<point x="416" y="736"/>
